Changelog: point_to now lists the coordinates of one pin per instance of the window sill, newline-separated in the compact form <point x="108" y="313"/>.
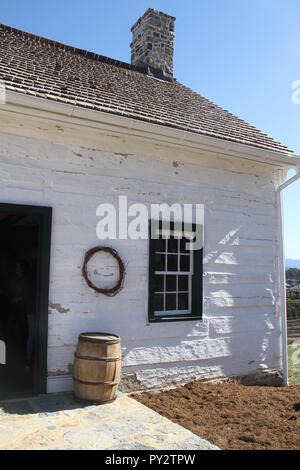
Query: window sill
<point x="175" y="319"/>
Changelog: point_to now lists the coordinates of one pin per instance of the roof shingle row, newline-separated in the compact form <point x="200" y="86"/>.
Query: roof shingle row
<point x="33" y="65"/>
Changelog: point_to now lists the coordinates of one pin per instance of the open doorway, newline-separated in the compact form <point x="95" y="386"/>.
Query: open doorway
<point x="24" y="277"/>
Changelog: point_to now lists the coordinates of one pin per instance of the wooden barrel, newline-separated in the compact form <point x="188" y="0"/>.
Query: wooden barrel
<point x="97" y="367"/>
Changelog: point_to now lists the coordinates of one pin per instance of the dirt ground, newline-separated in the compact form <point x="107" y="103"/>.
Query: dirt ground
<point x="233" y="416"/>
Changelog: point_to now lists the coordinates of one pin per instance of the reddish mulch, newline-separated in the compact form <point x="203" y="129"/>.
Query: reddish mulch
<point x="233" y="416"/>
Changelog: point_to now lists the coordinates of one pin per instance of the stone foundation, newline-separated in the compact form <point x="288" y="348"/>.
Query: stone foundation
<point x="272" y="378"/>
<point x="269" y="378"/>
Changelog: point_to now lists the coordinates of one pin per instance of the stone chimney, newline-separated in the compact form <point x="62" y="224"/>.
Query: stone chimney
<point x="152" y="43"/>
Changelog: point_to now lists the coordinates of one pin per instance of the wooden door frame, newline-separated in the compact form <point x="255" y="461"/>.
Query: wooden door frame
<point x="45" y="213"/>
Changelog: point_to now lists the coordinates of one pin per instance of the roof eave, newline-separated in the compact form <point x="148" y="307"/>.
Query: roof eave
<point x="35" y="106"/>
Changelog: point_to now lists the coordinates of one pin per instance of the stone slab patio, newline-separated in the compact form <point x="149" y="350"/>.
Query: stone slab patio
<point x="59" y="422"/>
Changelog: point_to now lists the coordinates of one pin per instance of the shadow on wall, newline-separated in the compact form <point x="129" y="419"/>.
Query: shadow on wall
<point x="247" y="293"/>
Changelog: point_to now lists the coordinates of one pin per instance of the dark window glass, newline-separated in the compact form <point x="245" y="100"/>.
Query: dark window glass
<point x="173" y="245"/>
<point x="160" y="245"/>
<point x="158" y="302"/>
<point x="183" y="301"/>
<point x="184" y="263"/>
<point x="171" y="284"/>
<point x="183" y="244"/>
<point x="170" y="301"/>
<point x="172" y="263"/>
<point x="159" y="283"/>
<point x="183" y="283"/>
<point x="160" y="262"/>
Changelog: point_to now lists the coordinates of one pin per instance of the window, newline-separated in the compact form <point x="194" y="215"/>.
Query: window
<point x="175" y="276"/>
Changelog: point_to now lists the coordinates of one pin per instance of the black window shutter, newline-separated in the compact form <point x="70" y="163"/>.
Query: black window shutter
<point x="197" y="284"/>
<point x="151" y="275"/>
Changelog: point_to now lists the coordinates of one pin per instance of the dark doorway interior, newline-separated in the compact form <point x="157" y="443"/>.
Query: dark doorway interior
<point x="21" y="310"/>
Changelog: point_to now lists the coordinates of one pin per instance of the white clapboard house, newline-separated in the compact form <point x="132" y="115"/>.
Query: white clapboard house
<point x="78" y="130"/>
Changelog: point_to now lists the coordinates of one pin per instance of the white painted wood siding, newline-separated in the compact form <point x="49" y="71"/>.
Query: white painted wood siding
<point x="74" y="170"/>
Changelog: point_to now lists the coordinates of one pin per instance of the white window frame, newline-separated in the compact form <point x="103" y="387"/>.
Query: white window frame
<point x="166" y="234"/>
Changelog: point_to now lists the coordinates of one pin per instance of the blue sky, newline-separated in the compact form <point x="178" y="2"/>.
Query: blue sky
<point x="242" y="54"/>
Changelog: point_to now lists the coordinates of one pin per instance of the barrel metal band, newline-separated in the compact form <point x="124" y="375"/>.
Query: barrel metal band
<point x="95" y="383"/>
<point x="102" y="359"/>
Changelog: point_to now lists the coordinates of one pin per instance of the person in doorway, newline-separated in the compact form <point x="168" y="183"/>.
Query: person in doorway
<point x="23" y="300"/>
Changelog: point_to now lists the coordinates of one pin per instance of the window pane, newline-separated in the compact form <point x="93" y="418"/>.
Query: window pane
<point x="170" y="301"/>
<point x="173" y="245"/>
<point x="183" y="244"/>
<point x="183" y="301"/>
<point x="185" y="263"/>
<point x="160" y="245"/>
<point x="183" y="283"/>
<point x="159" y="283"/>
<point x="172" y="263"/>
<point x="171" y="283"/>
<point x="160" y="262"/>
<point x="158" y="302"/>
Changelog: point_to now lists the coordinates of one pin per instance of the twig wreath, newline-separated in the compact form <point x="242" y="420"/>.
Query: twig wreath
<point x="119" y="285"/>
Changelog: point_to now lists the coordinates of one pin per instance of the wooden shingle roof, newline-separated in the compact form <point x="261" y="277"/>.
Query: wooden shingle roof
<point x="40" y="67"/>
